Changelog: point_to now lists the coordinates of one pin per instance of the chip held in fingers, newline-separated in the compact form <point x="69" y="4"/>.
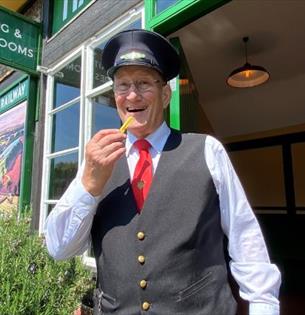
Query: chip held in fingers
<point x="126" y="124"/>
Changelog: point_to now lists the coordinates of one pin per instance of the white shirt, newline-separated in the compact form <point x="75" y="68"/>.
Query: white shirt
<point x="68" y="226"/>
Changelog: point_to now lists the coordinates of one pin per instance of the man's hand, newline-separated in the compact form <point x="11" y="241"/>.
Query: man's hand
<point x="102" y="151"/>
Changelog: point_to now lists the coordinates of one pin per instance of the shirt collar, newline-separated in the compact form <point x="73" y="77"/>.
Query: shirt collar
<point x="157" y="139"/>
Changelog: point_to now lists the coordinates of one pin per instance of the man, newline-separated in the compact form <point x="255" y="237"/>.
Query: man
<point x="157" y="210"/>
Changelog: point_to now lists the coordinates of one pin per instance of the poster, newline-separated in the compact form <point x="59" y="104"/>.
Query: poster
<point x="11" y="150"/>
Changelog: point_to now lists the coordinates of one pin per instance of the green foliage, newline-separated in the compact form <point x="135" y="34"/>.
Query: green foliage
<point x="31" y="282"/>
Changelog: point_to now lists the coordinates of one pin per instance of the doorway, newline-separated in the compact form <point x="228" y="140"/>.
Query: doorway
<point x="263" y="128"/>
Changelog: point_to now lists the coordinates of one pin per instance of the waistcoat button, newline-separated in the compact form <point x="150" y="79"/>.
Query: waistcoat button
<point x="141" y="236"/>
<point x="143" y="284"/>
<point x="141" y="259"/>
<point x="145" y="306"/>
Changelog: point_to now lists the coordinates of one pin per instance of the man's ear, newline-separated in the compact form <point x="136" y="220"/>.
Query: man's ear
<point x="166" y="95"/>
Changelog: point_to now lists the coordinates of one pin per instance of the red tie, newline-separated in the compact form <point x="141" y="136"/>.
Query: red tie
<point x="143" y="173"/>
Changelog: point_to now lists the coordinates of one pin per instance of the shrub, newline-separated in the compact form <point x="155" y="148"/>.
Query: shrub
<point x="31" y="282"/>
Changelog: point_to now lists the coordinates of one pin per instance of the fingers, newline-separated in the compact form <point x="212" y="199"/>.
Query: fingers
<point x="111" y="157"/>
<point x="104" y="155"/>
<point x="110" y="140"/>
<point x="105" y="147"/>
<point x="102" y="151"/>
<point x="104" y="132"/>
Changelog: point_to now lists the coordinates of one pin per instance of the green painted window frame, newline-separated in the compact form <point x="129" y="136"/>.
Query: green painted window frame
<point x="57" y="7"/>
<point x="29" y="132"/>
<point x="174" y="107"/>
<point x="167" y="22"/>
<point x="177" y="15"/>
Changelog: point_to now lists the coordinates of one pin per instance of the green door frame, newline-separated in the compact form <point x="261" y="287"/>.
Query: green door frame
<point x="169" y="21"/>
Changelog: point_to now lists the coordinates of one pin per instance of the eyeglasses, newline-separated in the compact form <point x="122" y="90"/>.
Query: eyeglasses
<point x="142" y="86"/>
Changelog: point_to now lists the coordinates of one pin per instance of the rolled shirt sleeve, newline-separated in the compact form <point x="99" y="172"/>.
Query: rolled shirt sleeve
<point x="258" y="279"/>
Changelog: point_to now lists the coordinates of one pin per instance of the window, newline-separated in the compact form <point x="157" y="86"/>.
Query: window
<point x="104" y="114"/>
<point x="161" y="5"/>
<point x="274" y="182"/>
<point x="100" y="96"/>
<point x="62" y="170"/>
<point x="80" y="102"/>
<point x="62" y="130"/>
<point x="298" y="157"/>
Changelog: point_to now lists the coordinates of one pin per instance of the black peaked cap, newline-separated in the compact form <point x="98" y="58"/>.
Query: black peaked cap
<point x="141" y="47"/>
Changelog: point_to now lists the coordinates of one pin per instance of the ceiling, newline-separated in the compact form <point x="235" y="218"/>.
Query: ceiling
<point x="213" y="47"/>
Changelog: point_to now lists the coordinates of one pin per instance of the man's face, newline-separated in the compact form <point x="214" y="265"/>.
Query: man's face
<point x="141" y="92"/>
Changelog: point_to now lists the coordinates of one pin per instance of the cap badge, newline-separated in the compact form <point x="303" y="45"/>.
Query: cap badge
<point x="134" y="55"/>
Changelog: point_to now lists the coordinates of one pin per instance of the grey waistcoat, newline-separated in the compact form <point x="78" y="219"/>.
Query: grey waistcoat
<point x="182" y="239"/>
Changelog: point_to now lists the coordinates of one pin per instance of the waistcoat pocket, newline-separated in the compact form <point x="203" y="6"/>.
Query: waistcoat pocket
<point x="194" y="287"/>
<point x="104" y="303"/>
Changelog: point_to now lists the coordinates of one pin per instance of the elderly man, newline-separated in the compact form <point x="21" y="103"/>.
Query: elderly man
<point x="156" y="204"/>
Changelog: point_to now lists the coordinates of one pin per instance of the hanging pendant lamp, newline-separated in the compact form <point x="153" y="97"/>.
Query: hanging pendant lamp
<point x="248" y="75"/>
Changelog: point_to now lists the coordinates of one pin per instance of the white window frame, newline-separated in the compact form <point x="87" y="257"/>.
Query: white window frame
<point x="87" y="93"/>
<point x="50" y="111"/>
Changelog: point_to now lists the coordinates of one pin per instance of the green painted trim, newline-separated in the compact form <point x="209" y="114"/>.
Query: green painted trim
<point x="34" y="28"/>
<point x="149" y="12"/>
<point x="39" y="51"/>
<point x="31" y="34"/>
<point x="11" y="87"/>
<point x="178" y="15"/>
<point x="172" y="11"/>
<point x="37" y="108"/>
<point x="58" y="9"/>
<point x="27" y="159"/>
<point x="18" y="66"/>
<point x="174" y="109"/>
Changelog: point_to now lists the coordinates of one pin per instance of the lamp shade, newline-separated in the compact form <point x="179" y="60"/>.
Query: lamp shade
<point x="248" y="75"/>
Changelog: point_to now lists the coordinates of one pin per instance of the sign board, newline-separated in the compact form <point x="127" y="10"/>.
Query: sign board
<point x="65" y="10"/>
<point x="19" y="41"/>
<point x="12" y="127"/>
<point x="14" y="95"/>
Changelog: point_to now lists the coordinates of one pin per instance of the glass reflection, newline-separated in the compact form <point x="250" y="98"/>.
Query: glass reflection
<point x="65" y="131"/>
<point x="161" y="5"/>
<point x="104" y="113"/>
<point x="99" y="74"/>
<point x="67" y="83"/>
<point x="62" y="171"/>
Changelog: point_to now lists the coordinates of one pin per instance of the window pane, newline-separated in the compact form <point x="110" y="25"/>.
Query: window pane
<point x="261" y="173"/>
<point x="104" y="113"/>
<point x="164" y="4"/>
<point x="62" y="171"/>
<point x="298" y="155"/>
<point x="65" y="128"/>
<point x="67" y="83"/>
<point x="50" y="208"/>
<point x="99" y="74"/>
